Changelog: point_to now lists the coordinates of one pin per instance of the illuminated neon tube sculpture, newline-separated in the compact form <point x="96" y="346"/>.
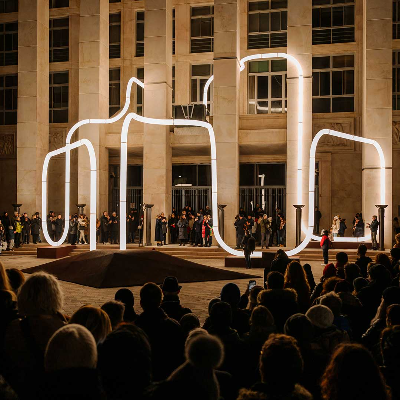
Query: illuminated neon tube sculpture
<point x="185" y="122"/>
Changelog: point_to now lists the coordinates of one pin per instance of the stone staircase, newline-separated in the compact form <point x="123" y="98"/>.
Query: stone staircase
<point x="187" y="252"/>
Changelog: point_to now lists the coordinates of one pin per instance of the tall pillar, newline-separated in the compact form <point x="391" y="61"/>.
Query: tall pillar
<point x="299" y="46"/>
<point x="377" y="108"/>
<point x="157" y="156"/>
<point x="226" y="108"/>
<point x="93" y="97"/>
<point x="33" y="101"/>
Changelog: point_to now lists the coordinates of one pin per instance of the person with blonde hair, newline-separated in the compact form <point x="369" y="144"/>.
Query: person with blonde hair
<point x="295" y="278"/>
<point x="4" y="281"/>
<point x="40" y="304"/>
<point x="94" y="319"/>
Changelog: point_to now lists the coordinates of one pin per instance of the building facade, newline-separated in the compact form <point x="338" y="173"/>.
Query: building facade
<point x="62" y="61"/>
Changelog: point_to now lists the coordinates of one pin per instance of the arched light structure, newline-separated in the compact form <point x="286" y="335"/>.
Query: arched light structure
<point x="185" y="122"/>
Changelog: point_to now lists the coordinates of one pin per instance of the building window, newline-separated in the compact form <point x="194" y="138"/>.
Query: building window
<point x="58" y="97"/>
<point x="139" y="92"/>
<point x="267" y="89"/>
<point x="332" y="21"/>
<point x="9" y="43"/>
<point x="115" y="35"/>
<point x="333" y="84"/>
<point x="115" y="1"/>
<point x="396" y="80"/>
<point x="267" y="24"/>
<point x="396" y="19"/>
<point x="58" y="3"/>
<point x="173" y="31"/>
<point x="202" y="29"/>
<point x="139" y="33"/>
<point x="114" y="91"/>
<point x="173" y="85"/>
<point x="59" y="39"/>
<point x="8" y="99"/>
<point x="8" y="6"/>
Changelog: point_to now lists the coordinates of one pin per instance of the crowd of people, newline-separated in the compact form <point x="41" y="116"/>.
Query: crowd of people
<point x="288" y="338"/>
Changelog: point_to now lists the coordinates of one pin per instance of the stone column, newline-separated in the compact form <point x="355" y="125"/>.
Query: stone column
<point x="226" y="108"/>
<point x="299" y="46"/>
<point x="182" y="50"/>
<point x="377" y="108"/>
<point x="33" y="101"/>
<point x="157" y="163"/>
<point x="93" y="97"/>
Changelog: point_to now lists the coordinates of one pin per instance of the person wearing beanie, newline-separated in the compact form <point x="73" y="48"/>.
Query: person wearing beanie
<point x="196" y="378"/>
<point x="125" y="296"/>
<point x="281" y="369"/>
<point x="70" y="362"/>
<point x="327" y="336"/>
<point x="371" y="338"/>
<point x="230" y="294"/>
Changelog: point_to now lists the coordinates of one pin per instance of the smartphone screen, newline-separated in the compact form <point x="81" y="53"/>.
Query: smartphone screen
<point x="252" y="283"/>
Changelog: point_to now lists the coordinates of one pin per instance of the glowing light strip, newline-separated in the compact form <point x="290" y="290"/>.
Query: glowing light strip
<point x="93" y="177"/>
<point x="300" y="108"/>
<point x="313" y="150"/>
<point x="93" y="172"/>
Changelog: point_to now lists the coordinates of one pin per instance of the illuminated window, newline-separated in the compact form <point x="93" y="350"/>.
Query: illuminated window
<point x="267" y="89"/>
<point x="58" y="97"/>
<point x="267" y="24"/>
<point x="8" y="99"/>
<point x="139" y="33"/>
<point x="202" y="29"/>
<point x="139" y="92"/>
<point x="332" y="21"/>
<point x="8" y="6"/>
<point x="333" y="84"/>
<point x="114" y="91"/>
<point x="115" y="35"/>
<point x="59" y="39"/>
<point x="9" y="43"/>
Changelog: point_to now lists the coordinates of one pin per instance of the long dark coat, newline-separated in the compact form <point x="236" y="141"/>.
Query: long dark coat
<point x="183" y="231"/>
<point x="159" y="231"/>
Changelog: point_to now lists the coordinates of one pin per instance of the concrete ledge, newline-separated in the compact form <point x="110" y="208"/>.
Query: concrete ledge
<point x="340" y="245"/>
<point x="54" y="252"/>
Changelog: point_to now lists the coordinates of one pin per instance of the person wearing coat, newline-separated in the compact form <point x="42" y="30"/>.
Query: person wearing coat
<point x="158" y="230"/>
<point x="335" y="225"/>
<point x="114" y="228"/>
<point x="164" y="226"/>
<point x="265" y="226"/>
<point x="183" y="230"/>
<point x="59" y="224"/>
<point x="26" y="229"/>
<point x="35" y="229"/>
<point x="73" y="229"/>
<point x="173" y="228"/>
<point x="104" y="227"/>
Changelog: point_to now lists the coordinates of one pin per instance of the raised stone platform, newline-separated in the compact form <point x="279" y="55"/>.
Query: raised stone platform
<point x="54" y="252"/>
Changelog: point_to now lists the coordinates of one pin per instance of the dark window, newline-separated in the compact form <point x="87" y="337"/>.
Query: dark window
<point x="8" y="6"/>
<point x="396" y="80"/>
<point x="333" y="84"/>
<point x="9" y="43"/>
<point x="202" y="29"/>
<point x="139" y="92"/>
<point x="333" y="21"/>
<point x="247" y="175"/>
<point x="191" y="175"/>
<point x="173" y="31"/>
<point x="267" y="24"/>
<point x="114" y="91"/>
<point x="255" y="174"/>
<point x="8" y="99"/>
<point x="115" y="1"/>
<point x="115" y="35"/>
<point x="396" y="19"/>
<point x="59" y="39"/>
<point x="58" y="3"/>
<point x="134" y="175"/>
<point x="139" y="33"/>
<point x="58" y="97"/>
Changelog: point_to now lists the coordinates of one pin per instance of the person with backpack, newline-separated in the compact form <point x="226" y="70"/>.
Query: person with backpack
<point x="249" y="245"/>
<point x="325" y="243"/>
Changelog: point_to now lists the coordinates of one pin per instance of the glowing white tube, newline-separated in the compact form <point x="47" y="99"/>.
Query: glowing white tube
<point x="311" y="185"/>
<point x="93" y="183"/>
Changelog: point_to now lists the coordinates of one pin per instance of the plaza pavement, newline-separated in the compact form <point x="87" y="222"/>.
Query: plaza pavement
<point x="194" y="295"/>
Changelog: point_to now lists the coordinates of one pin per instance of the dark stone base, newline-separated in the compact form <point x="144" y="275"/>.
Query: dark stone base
<point x="54" y="252"/>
